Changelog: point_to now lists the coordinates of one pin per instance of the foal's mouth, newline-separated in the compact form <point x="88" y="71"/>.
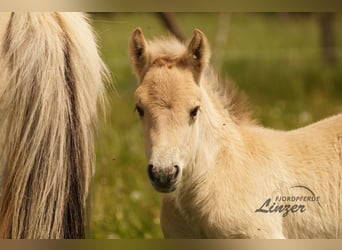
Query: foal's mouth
<point x="164" y="189"/>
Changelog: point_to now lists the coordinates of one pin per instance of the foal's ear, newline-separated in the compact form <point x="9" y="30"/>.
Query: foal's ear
<point x="198" y="54"/>
<point x="138" y="52"/>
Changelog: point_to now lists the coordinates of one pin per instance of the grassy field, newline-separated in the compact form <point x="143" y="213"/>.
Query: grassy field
<point x="276" y="60"/>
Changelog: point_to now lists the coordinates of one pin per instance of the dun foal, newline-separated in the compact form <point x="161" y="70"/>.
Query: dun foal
<point x="222" y="175"/>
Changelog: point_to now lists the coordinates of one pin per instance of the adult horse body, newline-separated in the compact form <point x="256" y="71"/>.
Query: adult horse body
<point x="51" y="81"/>
<point x="222" y="175"/>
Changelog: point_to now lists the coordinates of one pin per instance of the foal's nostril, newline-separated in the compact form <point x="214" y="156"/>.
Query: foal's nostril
<point x="150" y="171"/>
<point x="176" y="171"/>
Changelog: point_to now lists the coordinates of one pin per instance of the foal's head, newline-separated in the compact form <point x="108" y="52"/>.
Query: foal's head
<point x="168" y="101"/>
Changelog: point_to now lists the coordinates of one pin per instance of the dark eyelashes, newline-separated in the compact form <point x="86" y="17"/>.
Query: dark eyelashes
<point x="139" y="110"/>
<point x="194" y="111"/>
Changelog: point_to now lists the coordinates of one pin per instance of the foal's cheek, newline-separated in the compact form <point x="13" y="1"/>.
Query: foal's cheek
<point x="147" y="141"/>
<point x="148" y="147"/>
<point x="148" y="151"/>
<point x="187" y="145"/>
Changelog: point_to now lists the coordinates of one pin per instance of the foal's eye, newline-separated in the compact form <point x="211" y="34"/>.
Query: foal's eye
<point x="194" y="111"/>
<point x="139" y="110"/>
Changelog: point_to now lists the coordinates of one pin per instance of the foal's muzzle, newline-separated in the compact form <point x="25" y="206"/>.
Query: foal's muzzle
<point x="163" y="179"/>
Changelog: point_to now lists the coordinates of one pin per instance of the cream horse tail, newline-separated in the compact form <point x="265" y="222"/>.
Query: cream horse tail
<point x="48" y="99"/>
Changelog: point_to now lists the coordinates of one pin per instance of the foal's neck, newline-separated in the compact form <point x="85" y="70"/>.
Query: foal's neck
<point x="218" y="142"/>
<point x="218" y="131"/>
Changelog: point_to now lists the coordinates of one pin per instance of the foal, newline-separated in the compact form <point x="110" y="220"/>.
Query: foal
<point x="222" y="175"/>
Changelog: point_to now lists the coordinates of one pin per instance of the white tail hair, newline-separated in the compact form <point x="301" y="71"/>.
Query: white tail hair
<point x="52" y="83"/>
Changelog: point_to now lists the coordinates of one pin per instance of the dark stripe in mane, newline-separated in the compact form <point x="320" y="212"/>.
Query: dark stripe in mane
<point x="74" y="213"/>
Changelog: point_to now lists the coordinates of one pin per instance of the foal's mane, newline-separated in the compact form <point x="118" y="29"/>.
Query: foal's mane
<point x="235" y="102"/>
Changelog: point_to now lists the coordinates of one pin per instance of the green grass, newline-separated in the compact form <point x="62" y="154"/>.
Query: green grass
<point x="275" y="60"/>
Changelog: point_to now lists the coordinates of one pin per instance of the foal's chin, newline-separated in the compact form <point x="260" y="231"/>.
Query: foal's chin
<point x="164" y="189"/>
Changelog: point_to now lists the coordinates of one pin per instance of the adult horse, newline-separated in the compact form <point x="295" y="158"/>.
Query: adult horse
<point x="51" y="80"/>
<point x="223" y="175"/>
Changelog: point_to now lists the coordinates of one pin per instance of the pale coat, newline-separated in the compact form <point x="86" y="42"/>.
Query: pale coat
<point x="229" y="164"/>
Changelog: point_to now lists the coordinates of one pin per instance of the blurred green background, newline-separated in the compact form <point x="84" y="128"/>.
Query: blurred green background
<point x="276" y="59"/>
